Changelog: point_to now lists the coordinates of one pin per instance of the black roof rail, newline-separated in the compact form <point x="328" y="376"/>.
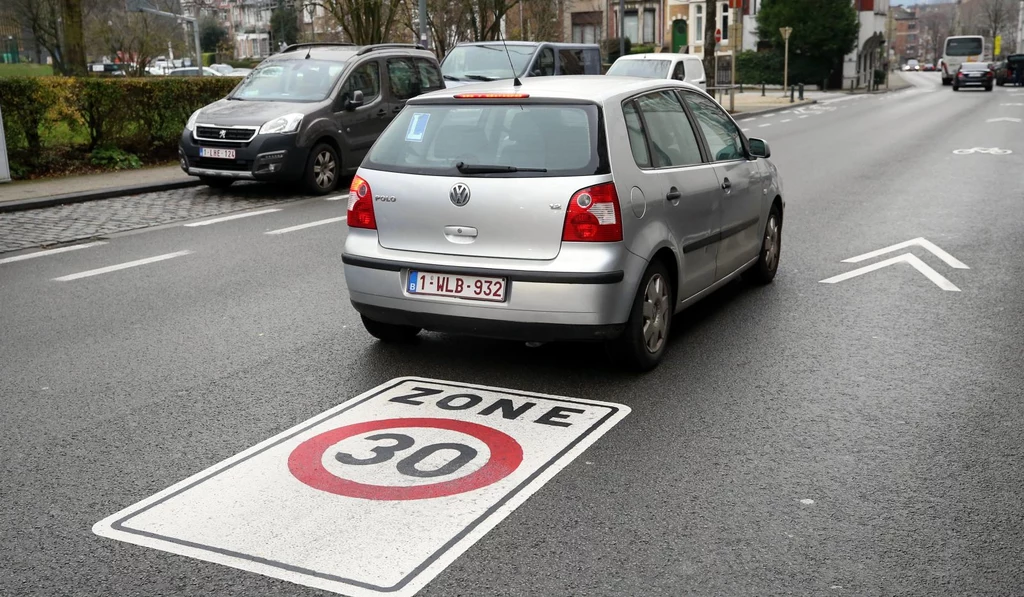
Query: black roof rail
<point x="294" y="47"/>
<point x="373" y="47"/>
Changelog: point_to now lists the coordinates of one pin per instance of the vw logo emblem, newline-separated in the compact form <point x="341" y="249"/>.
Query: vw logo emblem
<point x="459" y="194"/>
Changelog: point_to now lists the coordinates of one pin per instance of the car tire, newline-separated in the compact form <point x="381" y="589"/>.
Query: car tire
<point x="988" y="88"/>
<point x="956" y="88"/>
<point x="323" y="169"/>
<point x="216" y="183"/>
<point x="655" y="298"/>
<point x="389" y="332"/>
<point x="763" y="272"/>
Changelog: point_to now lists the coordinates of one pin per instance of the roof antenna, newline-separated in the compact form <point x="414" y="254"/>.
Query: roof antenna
<point x="310" y="49"/>
<point x="515" y="77"/>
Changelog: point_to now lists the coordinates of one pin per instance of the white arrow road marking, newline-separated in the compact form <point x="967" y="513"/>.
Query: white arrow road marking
<point x="1002" y="118"/>
<point x="48" y="252"/>
<point x="309" y="225"/>
<point x="919" y="265"/>
<point x="120" y="266"/>
<point x="234" y="217"/>
<point x="921" y="242"/>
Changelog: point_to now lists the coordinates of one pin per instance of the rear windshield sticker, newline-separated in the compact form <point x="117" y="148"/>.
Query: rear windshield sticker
<point x="417" y="127"/>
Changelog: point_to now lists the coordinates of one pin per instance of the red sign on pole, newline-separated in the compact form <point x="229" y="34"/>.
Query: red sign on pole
<point x="718" y="35"/>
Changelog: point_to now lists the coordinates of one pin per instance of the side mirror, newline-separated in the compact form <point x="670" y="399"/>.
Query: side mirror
<point x="759" y="148"/>
<point x="355" y="101"/>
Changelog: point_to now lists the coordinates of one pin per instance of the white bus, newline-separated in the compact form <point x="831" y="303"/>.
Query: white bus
<point x="957" y="50"/>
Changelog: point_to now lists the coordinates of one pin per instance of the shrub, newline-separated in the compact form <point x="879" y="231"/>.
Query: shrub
<point x="209" y="58"/>
<point x="641" y="49"/>
<point x="114" y="159"/>
<point x="754" y="68"/>
<point x="140" y="116"/>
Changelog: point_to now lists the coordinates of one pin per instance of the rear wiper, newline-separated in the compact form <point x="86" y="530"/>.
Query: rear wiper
<point x="465" y="168"/>
<point x="451" y="78"/>
<point x="480" y="77"/>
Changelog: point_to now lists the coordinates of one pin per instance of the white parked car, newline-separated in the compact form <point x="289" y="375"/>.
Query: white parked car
<point x="681" y="67"/>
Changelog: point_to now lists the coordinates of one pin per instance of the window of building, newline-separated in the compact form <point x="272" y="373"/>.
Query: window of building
<point x="699" y="24"/>
<point x="725" y="21"/>
<point x="649" y="25"/>
<point x="630" y="26"/>
<point x="586" y="27"/>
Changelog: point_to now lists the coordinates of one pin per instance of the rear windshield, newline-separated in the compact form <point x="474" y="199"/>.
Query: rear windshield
<point x="967" y="46"/>
<point x="974" y="66"/>
<point x="486" y="62"/>
<point x="650" y="69"/>
<point x="431" y="139"/>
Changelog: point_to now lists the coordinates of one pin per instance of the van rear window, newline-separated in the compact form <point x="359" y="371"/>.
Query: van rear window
<point x="562" y="140"/>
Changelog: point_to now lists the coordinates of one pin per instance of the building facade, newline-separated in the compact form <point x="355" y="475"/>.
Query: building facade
<point x="904" y="40"/>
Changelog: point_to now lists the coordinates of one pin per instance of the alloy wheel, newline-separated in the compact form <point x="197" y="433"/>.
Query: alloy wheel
<point x="324" y="169"/>
<point x="655" y="313"/>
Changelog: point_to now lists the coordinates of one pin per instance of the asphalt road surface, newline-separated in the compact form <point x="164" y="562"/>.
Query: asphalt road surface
<point x="862" y="437"/>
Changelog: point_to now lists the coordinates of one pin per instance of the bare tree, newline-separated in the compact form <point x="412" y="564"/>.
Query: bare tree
<point x="710" y="26"/>
<point x="365" y="21"/>
<point x="994" y="15"/>
<point x="43" y="18"/>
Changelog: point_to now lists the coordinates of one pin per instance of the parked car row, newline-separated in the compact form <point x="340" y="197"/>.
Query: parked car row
<point x="312" y="111"/>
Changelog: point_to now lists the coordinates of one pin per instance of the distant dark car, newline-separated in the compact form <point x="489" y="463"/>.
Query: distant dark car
<point x="974" y="74"/>
<point x="1009" y="70"/>
<point x="308" y="114"/>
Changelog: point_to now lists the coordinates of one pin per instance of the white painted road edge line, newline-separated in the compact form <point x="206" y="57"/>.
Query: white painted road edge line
<point x="120" y="266"/>
<point x="234" y="217"/>
<point x="309" y="225"/>
<point x="49" y="252"/>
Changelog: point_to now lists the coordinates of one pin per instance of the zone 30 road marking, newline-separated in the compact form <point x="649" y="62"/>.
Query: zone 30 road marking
<point x="377" y="495"/>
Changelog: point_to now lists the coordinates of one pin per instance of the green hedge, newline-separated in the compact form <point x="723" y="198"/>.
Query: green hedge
<point x="48" y="116"/>
<point x="754" y="68"/>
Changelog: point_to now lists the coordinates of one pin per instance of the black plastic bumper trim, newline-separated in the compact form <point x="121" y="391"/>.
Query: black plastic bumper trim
<point x="512" y="275"/>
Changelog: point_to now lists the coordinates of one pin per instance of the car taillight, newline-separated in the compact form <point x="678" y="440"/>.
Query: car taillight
<point x="593" y="215"/>
<point x="360" y="205"/>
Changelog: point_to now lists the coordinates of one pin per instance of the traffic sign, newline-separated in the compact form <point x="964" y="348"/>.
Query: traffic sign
<point x="376" y="495"/>
<point x="718" y="35"/>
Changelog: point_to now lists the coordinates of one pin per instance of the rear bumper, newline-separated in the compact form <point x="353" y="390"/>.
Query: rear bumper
<point x="974" y="82"/>
<point x="491" y="328"/>
<point x="583" y="294"/>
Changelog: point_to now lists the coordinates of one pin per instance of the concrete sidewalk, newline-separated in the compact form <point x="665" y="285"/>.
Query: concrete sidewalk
<point x="30" y="194"/>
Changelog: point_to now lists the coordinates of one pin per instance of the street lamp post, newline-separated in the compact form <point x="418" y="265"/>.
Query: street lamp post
<point x="785" y="31"/>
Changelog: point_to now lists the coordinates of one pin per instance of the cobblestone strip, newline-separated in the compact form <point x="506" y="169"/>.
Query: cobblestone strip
<point x="65" y="223"/>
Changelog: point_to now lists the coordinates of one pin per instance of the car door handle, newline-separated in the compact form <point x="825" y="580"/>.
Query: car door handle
<point x="726" y="185"/>
<point x="382" y="113"/>
<point x="396" y="109"/>
<point x="673" y="195"/>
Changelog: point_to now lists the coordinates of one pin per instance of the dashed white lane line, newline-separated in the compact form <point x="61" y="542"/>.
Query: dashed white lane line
<point x="804" y="116"/>
<point x="786" y="120"/>
<point x="309" y="225"/>
<point x="233" y="217"/>
<point x="336" y="197"/>
<point x="745" y="130"/>
<point x="120" y="266"/>
<point x="764" y="125"/>
<point x="49" y="252"/>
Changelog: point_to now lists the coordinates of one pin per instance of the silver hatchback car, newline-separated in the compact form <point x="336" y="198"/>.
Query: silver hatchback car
<point x="564" y="208"/>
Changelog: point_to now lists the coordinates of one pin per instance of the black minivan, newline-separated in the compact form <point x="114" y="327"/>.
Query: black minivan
<point x="308" y="114"/>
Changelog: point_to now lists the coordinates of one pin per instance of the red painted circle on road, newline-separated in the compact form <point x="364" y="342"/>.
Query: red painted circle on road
<point x="306" y="461"/>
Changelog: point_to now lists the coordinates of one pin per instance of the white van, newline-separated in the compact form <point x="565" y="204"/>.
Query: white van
<point x="681" y="67"/>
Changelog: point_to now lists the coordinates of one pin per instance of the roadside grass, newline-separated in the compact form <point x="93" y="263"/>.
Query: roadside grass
<point x="25" y="70"/>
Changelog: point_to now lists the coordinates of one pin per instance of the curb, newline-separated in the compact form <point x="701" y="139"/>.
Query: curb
<point x="82" y="197"/>
<point x="737" y="115"/>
